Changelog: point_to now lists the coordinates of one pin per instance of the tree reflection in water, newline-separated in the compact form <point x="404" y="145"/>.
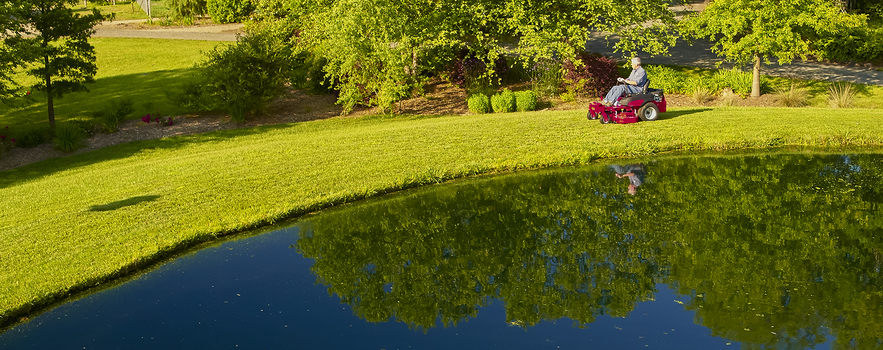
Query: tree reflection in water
<point x="778" y="251"/>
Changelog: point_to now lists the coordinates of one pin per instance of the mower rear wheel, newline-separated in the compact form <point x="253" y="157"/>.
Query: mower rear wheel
<point x="648" y="112"/>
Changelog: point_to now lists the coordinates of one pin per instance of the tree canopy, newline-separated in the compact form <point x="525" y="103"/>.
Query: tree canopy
<point x="746" y="31"/>
<point x="8" y="59"/>
<point x="49" y="37"/>
<point x="376" y="50"/>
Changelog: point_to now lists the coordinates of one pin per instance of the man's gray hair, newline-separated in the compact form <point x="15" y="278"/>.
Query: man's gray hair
<point x="636" y="60"/>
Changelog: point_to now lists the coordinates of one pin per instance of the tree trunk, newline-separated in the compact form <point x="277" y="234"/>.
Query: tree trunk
<point x="48" y="80"/>
<point x="755" y="80"/>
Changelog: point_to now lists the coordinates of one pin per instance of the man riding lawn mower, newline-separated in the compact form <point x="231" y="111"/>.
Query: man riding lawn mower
<point x="630" y="100"/>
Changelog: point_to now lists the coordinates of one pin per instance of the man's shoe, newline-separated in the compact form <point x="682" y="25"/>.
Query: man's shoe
<point x="606" y="104"/>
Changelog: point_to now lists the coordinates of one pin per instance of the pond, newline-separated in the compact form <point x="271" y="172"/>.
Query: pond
<point x="775" y="251"/>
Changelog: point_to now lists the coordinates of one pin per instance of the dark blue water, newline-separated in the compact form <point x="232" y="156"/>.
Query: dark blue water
<point x="259" y="294"/>
<point x="771" y="252"/>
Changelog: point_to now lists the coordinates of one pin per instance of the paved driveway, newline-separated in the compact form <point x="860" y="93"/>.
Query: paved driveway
<point x="700" y="55"/>
<point x="122" y="29"/>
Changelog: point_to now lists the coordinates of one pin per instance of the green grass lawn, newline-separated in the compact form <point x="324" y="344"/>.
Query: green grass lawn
<point x="140" y="69"/>
<point x="73" y="223"/>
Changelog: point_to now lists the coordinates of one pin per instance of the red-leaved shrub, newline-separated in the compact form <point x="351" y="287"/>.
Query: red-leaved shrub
<point x="593" y="78"/>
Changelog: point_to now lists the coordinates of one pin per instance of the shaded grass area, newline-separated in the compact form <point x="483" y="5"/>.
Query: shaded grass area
<point x="140" y="69"/>
<point x="146" y="90"/>
<point x="73" y="223"/>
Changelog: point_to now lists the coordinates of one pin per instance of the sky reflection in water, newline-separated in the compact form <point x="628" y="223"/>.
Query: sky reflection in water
<point x="757" y="252"/>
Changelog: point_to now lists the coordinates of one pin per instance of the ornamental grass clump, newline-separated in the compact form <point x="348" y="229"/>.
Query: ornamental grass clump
<point x="701" y="95"/>
<point x="699" y="90"/>
<point x="841" y="95"/>
<point x="504" y="102"/>
<point x="796" y="95"/>
<point x="728" y="98"/>
<point x="69" y="137"/>
<point x="526" y="101"/>
<point x="479" y="104"/>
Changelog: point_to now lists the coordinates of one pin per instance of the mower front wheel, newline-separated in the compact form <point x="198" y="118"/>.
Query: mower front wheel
<point x="604" y="117"/>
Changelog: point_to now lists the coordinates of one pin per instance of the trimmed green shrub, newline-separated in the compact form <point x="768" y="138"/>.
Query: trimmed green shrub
<point x="229" y="11"/>
<point x="503" y="102"/>
<point x="526" y="101"/>
<point x="68" y="137"/>
<point x="479" y="104"/>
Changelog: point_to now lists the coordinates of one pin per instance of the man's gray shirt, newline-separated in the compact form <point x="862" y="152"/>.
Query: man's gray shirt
<point x="639" y="76"/>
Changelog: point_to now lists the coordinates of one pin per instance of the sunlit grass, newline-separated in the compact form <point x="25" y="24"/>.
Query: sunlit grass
<point x="72" y="223"/>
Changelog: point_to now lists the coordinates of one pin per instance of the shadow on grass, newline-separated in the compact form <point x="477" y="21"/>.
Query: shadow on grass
<point x="123" y="203"/>
<point x="146" y="90"/>
<point x="681" y="113"/>
<point x="48" y="167"/>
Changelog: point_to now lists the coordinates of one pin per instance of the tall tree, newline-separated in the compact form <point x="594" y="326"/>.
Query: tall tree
<point x="50" y="37"/>
<point x="8" y="60"/>
<point x="747" y="31"/>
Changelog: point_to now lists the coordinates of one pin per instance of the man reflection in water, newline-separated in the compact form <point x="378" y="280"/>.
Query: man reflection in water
<point x="635" y="173"/>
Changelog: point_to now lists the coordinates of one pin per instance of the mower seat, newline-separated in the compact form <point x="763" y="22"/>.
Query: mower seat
<point x="646" y="94"/>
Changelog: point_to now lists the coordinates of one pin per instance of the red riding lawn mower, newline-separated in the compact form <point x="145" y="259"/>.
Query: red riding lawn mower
<point x="645" y="105"/>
